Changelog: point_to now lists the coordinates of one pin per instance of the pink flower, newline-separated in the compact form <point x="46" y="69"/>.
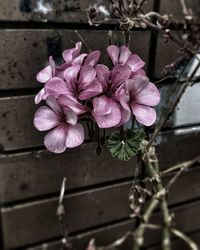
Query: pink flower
<point x="71" y="57"/>
<point x="80" y="84"/>
<point x="107" y="111"/>
<point x="138" y="96"/>
<point x="65" y="132"/>
<point x="122" y="55"/>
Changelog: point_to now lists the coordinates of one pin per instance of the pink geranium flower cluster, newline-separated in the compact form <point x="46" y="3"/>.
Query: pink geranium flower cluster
<point x="81" y="86"/>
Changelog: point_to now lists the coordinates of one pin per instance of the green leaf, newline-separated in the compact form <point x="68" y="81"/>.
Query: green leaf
<point x="124" y="149"/>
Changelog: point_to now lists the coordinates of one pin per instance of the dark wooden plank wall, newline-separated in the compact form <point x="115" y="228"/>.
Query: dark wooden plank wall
<point x="97" y="187"/>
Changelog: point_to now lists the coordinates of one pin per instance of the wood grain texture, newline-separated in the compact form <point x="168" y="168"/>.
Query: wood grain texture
<point x="18" y="67"/>
<point x="92" y="208"/>
<point x="36" y="221"/>
<point x="37" y="173"/>
<point x="165" y="54"/>
<point x="71" y="11"/>
<point x="17" y="130"/>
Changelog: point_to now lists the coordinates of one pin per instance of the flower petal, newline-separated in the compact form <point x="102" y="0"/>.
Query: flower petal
<point x="125" y="116"/>
<point x="75" y="136"/>
<point x="143" y="114"/>
<point x="135" y="62"/>
<point x="124" y="54"/>
<point x="45" y="119"/>
<point x="91" y="90"/>
<point x="107" y="119"/>
<point x="70" y="74"/>
<point x="70" y="54"/>
<point x="120" y="74"/>
<point x="103" y="74"/>
<point x="41" y="95"/>
<point x="45" y="74"/>
<point x="123" y="97"/>
<point x="149" y="95"/>
<point x="71" y="102"/>
<point x="53" y="104"/>
<point x="113" y="52"/>
<point x="53" y="65"/>
<point x="136" y="84"/>
<point x="56" y="86"/>
<point x="100" y="105"/>
<point x="55" y="139"/>
<point x="87" y="75"/>
<point x="70" y="116"/>
<point x="92" y="58"/>
<point x="79" y="59"/>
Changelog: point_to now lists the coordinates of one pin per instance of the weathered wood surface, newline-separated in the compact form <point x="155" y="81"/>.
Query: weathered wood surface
<point x="18" y="67"/>
<point x="42" y="221"/>
<point x="38" y="173"/>
<point x="106" y="235"/>
<point x="36" y="221"/>
<point x="175" y="9"/>
<point x="165" y="54"/>
<point x="17" y="130"/>
<point x="180" y="244"/>
<point x="71" y="11"/>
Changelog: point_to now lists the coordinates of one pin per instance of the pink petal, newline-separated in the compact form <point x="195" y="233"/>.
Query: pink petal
<point x="75" y="136"/>
<point x="71" y="74"/>
<point x="113" y="52"/>
<point x="143" y="114"/>
<point x="45" y="119"/>
<point x="55" y="139"/>
<point x="71" y="102"/>
<point x="87" y="75"/>
<point x="70" y="54"/>
<point x="101" y="105"/>
<point x="107" y="119"/>
<point x="136" y="84"/>
<point x="45" y="74"/>
<point x="124" y="54"/>
<point x="120" y="74"/>
<point x="79" y="59"/>
<point x="103" y="74"/>
<point x="123" y="97"/>
<point x="53" y="65"/>
<point x="149" y="95"/>
<point x="91" y="90"/>
<point x="70" y="116"/>
<point x="125" y="116"/>
<point x="53" y="104"/>
<point x="40" y="96"/>
<point x="55" y="87"/>
<point x="92" y="58"/>
<point x="135" y="62"/>
<point x="139" y="72"/>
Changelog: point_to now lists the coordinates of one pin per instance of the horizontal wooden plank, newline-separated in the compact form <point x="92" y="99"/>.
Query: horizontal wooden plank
<point x="38" y="173"/>
<point x="106" y="235"/>
<point x="103" y="236"/>
<point x="180" y="244"/>
<point x="83" y="211"/>
<point x="17" y="130"/>
<point x="165" y="54"/>
<point x="178" y="146"/>
<point x="27" y="175"/>
<point x="104" y="205"/>
<point x="19" y="67"/>
<point x="174" y="8"/>
<point x="54" y="11"/>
